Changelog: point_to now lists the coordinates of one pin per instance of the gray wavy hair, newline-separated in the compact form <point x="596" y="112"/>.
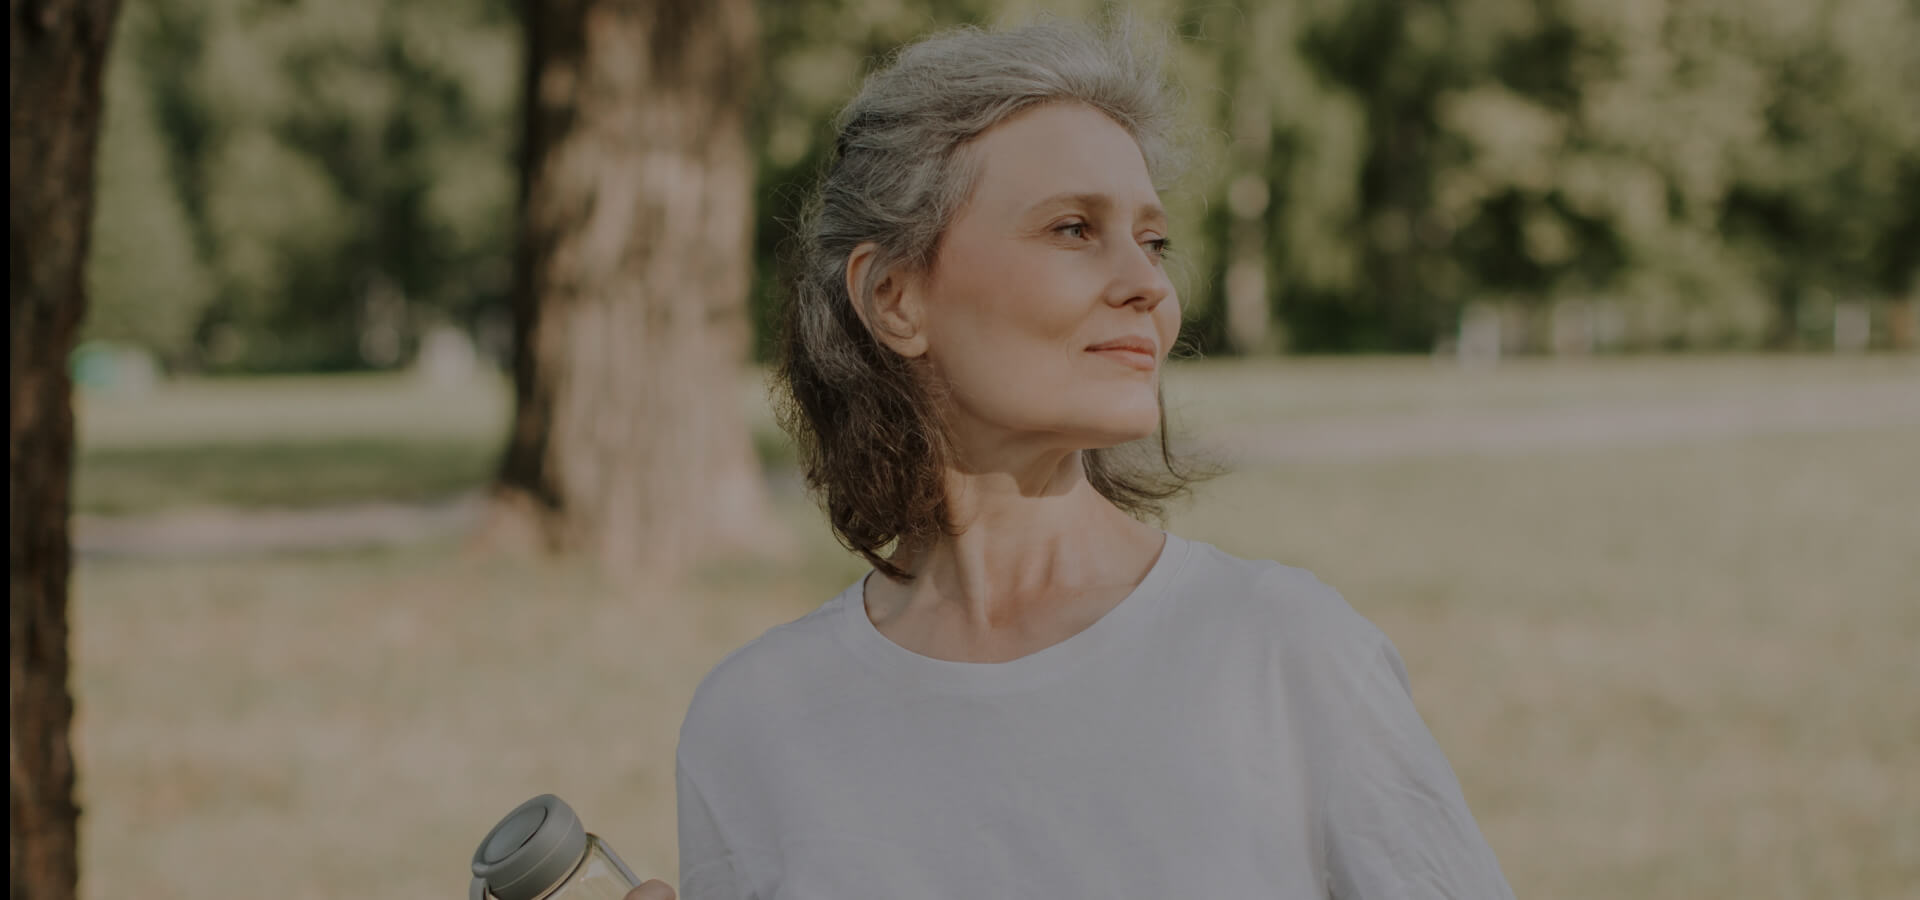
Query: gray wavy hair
<point x="871" y="441"/>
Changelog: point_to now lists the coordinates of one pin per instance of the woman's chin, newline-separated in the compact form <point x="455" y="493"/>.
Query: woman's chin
<point x="1114" y="434"/>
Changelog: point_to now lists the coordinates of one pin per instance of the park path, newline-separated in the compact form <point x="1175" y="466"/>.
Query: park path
<point x="220" y="532"/>
<point x="1487" y="432"/>
<point x="229" y="532"/>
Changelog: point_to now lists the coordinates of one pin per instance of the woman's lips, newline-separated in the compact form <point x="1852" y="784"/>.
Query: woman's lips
<point x="1135" y="359"/>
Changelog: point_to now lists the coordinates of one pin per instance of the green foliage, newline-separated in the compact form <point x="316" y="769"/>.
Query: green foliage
<point x="1696" y="165"/>
<point x="297" y="185"/>
<point x="343" y="171"/>
<point x="147" y="281"/>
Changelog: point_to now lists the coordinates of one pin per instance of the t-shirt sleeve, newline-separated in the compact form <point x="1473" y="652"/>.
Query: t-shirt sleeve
<point x="1397" y="825"/>
<point x="708" y="867"/>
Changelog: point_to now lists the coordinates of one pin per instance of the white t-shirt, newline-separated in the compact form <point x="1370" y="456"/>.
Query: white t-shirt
<point x="1232" y="729"/>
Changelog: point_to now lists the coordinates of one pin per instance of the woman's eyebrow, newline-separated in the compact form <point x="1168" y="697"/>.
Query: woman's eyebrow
<point x="1097" y="203"/>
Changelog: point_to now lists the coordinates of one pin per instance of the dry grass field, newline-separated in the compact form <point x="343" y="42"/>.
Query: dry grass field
<point x="1663" y="615"/>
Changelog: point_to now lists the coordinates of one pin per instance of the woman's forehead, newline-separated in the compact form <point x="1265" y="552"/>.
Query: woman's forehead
<point x="1061" y="154"/>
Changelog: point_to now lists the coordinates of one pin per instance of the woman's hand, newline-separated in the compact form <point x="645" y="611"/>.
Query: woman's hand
<point x="652" y="889"/>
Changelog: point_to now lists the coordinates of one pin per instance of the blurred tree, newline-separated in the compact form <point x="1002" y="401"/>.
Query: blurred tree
<point x="1324" y="218"/>
<point x="1823" y="204"/>
<point x="338" y="176"/>
<point x="147" y="280"/>
<point x="342" y="170"/>
<point x="57" y="51"/>
<point x="1247" y="290"/>
<point x="1578" y="154"/>
<point x="630" y="301"/>
<point x="1395" y="59"/>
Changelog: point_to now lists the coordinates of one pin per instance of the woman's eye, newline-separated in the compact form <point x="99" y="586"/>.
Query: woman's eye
<point x="1158" y="247"/>
<point x="1073" y="229"/>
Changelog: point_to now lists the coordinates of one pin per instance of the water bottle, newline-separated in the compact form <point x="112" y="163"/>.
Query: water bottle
<point x="541" y="852"/>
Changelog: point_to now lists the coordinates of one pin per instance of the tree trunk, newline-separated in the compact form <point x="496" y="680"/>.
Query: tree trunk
<point x="1249" y="193"/>
<point x="53" y="109"/>
<point x="631" y="324"/>
<point x="1903" y="323"/>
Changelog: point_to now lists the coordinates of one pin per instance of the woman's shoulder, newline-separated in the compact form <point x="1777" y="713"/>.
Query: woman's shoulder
<point x="1287" y="604"/>
<point x="771" y="674"/>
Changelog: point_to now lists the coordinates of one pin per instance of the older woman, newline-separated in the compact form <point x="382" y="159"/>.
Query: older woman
<point x="1036" y="694"/>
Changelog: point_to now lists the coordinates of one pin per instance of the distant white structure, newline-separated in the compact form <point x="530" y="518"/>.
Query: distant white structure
<point x="115" y="368"/>
<point x="447" y="356"/>
<point x="1480" y="330"/>
<point x="1852" y="326"/>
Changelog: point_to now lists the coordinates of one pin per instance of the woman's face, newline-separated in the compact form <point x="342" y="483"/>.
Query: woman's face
<point x="1056" y="253"/>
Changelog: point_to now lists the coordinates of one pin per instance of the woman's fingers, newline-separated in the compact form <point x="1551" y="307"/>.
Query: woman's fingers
<point x="652" y="889"/>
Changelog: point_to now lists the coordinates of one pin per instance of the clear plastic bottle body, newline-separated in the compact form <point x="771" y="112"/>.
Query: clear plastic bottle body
<point x="599" y="876"/>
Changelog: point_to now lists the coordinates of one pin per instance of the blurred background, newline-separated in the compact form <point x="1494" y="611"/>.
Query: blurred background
<point x="1573" y="340"/>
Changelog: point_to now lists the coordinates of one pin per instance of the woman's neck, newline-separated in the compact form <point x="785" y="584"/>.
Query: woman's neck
<point x="1023" y="567"/>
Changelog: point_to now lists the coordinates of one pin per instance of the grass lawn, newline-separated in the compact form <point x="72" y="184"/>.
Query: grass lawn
<point x="315" y="441"/>
<point x="287" y="441"/>
<point x="1666" y="671"/>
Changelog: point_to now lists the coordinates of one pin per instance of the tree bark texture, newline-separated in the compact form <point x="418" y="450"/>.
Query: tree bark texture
<point x="628" y="443"/>
<point x="53" y="111"/>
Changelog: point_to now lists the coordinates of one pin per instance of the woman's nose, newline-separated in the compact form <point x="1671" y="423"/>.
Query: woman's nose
<point x="1138" y="278"/>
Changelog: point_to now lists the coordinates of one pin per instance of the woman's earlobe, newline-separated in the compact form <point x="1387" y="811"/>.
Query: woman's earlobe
<point x="911" y="345"/>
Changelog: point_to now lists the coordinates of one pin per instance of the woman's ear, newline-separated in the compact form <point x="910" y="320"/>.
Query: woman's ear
<point x="892" y="309"/>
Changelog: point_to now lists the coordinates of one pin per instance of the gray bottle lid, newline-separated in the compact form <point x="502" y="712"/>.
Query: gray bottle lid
<point x="530" y="851"/>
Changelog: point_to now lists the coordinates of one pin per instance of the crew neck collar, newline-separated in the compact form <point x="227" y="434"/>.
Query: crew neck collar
<point x="1118" y="625"/>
